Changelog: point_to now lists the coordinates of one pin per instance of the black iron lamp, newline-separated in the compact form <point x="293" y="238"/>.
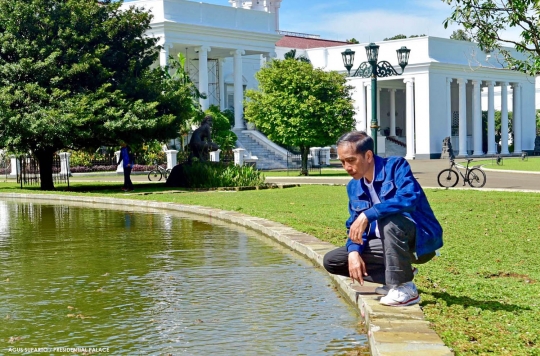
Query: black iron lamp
<point x="348" y="59"/>
<point x="372" y="53"/>
<point x="374" y="70"/>
<point x="403" y="57"/>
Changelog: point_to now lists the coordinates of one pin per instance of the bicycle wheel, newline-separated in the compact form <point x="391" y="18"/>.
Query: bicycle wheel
<point x="154" y="175"/>
<point x="476" y="178"/>
<point x="448" y="178"/>
<point x="167" y="173"/>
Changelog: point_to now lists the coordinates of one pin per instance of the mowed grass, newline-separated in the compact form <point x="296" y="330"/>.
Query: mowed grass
<point x="482" y="295"/>
<point x="325" y="172"/>
<point x="529" y="164"/>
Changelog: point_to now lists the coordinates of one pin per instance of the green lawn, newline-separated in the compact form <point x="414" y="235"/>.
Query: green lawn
<point x="530" y="164"/>
<point x="325" y="172"/>
<point x="482" y="295"/>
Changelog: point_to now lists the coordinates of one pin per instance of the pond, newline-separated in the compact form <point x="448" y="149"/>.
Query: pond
<point x="140" y="281"/>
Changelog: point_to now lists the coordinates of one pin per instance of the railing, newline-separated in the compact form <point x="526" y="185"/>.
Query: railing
<point x="294" y="162"/>
<point x="298" y="34"/>
<point x="28" y="172"/>
<point x="5" y="165"/>
<point x="396" y="141"/>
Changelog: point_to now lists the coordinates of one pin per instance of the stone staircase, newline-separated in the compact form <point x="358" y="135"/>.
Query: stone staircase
<point x="393" y="148"/>
<point x="270" y="155"/>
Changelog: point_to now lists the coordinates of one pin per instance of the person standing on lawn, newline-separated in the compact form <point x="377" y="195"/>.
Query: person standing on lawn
<point x="126" y="158"/>
<point x="391" y="223"/>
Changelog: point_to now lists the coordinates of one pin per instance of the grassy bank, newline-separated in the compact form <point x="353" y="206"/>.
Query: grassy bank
<point x="530" y="164"/>
<point x="482" y="295"/>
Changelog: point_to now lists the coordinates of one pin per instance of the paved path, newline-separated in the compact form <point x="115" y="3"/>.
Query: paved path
<point x="426" y="172"/>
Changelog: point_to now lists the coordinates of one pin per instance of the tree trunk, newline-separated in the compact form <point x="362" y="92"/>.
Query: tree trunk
<point x="45" y="159"/>
<point x="304" y="151"/>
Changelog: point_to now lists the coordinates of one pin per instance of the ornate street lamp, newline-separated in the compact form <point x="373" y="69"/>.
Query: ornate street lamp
<point x="374" y="70"/>
<point x="348" y="60"/>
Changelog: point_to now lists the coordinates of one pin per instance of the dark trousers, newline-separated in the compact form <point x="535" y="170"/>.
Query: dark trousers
<point x="127" y="179"/>
<point x="388" y="259"/>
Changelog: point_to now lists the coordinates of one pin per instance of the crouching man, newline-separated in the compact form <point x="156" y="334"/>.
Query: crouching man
<point x="391" y="224"/>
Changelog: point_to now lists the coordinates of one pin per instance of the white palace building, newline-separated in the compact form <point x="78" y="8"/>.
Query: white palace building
<point x="442" y="93"/>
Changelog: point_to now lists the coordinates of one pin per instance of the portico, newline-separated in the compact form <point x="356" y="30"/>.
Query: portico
<point x="440" y="95"/>
<point x="218" y="42"/>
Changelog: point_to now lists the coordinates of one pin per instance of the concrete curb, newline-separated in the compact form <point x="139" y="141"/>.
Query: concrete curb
<point x="391" y="331"/>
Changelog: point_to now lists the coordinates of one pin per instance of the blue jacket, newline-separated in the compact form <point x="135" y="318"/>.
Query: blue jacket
<point x="126" y="157"/>
<point x="399" y="193"/>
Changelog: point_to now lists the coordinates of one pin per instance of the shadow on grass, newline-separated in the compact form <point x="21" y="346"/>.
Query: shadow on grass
<point x="467" y="302"/>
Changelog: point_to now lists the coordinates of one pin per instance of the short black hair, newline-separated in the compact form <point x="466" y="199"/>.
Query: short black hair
<point x="359" y="139"/>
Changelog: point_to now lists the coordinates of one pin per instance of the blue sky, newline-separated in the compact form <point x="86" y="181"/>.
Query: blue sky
<point x="362" y="19"/>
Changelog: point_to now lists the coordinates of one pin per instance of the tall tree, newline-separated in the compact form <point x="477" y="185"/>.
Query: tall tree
<point x="486" y="21"/>
<point x="77" y="74"/>
<point x="460" y="35"/>
<point x="396" y="37"/>
<point x="292" y="55"/>
<point x="301" y="106"/>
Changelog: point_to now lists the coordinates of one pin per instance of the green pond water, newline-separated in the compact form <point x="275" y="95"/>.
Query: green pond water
<point x="146" y="282"/>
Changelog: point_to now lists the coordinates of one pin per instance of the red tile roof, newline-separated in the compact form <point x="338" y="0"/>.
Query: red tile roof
<point x="305" y="43"/>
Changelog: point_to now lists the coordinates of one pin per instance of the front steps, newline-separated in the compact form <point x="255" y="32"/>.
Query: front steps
<point x="270" y="155"/>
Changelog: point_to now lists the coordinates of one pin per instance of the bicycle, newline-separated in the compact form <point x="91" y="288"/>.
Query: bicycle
<point x="158" y="173"/>
<point x="449" y="177"/>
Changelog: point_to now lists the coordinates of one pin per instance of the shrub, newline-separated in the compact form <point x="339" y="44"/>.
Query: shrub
<point x="213" y="175"/>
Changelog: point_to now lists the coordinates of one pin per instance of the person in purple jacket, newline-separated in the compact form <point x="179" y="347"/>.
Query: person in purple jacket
<point x="126" y="158"/>
<point x="391" y="224"/>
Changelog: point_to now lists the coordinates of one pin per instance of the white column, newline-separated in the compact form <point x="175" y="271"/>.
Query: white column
<point x="203" y="76"/>
<point x="277" y="5"/>
<point x="119" y="167"/>
<point x="477" y="119"/>
<point x="221" y="84"/>
<point x="516" y="117"/>
<point x="368" y="108"/>
<point x="239" y="156"/>
<point x="171" y="158"/>
<point x="164" y="54"/>
<point x="214" y="156"/>
<point x="462" y="117"/>
<point x="491" y="119"/>
<point x="238" y="90"/>
<point x="361" y="107"/>
<point x="449" y="107"/>
<point x="409" y="117"/>
<point x="64" y="163"/>
<point x="504" y="118"/>
<point x="392" y="112"/>
<point x="15" y="166"/>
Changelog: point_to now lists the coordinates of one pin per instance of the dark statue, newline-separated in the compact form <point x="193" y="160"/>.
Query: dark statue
<point x="201" y="141"/>
<point x="447" y="151"/>
<point x="537" y="145"/>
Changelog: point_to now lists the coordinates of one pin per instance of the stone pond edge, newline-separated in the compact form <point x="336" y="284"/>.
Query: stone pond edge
<point x="392" y="331"/>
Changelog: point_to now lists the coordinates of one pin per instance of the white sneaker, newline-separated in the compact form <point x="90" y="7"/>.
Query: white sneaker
<point x="402" y="295"/>
<point x="384" y="289"/>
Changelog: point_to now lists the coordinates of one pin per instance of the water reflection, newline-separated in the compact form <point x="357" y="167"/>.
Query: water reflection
<point x="155" y="283"/>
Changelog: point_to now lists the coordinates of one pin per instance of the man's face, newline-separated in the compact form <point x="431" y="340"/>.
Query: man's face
<point x="357" y="165"/>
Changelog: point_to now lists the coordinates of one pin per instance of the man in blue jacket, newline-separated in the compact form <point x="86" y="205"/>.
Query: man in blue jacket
<point x="391" y="224"/>
<point x="126" y="158"/>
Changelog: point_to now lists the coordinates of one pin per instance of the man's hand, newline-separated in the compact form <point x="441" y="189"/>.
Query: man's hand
<point x="357" y="228"/>
<point x="357" y="267"/>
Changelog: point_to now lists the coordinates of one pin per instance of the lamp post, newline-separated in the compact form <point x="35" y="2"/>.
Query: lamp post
<point x="374" y="70"/>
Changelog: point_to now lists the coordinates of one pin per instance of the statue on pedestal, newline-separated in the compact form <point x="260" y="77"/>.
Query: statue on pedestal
<point x="201" y="143"/>
<point x="447" y="151"/>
